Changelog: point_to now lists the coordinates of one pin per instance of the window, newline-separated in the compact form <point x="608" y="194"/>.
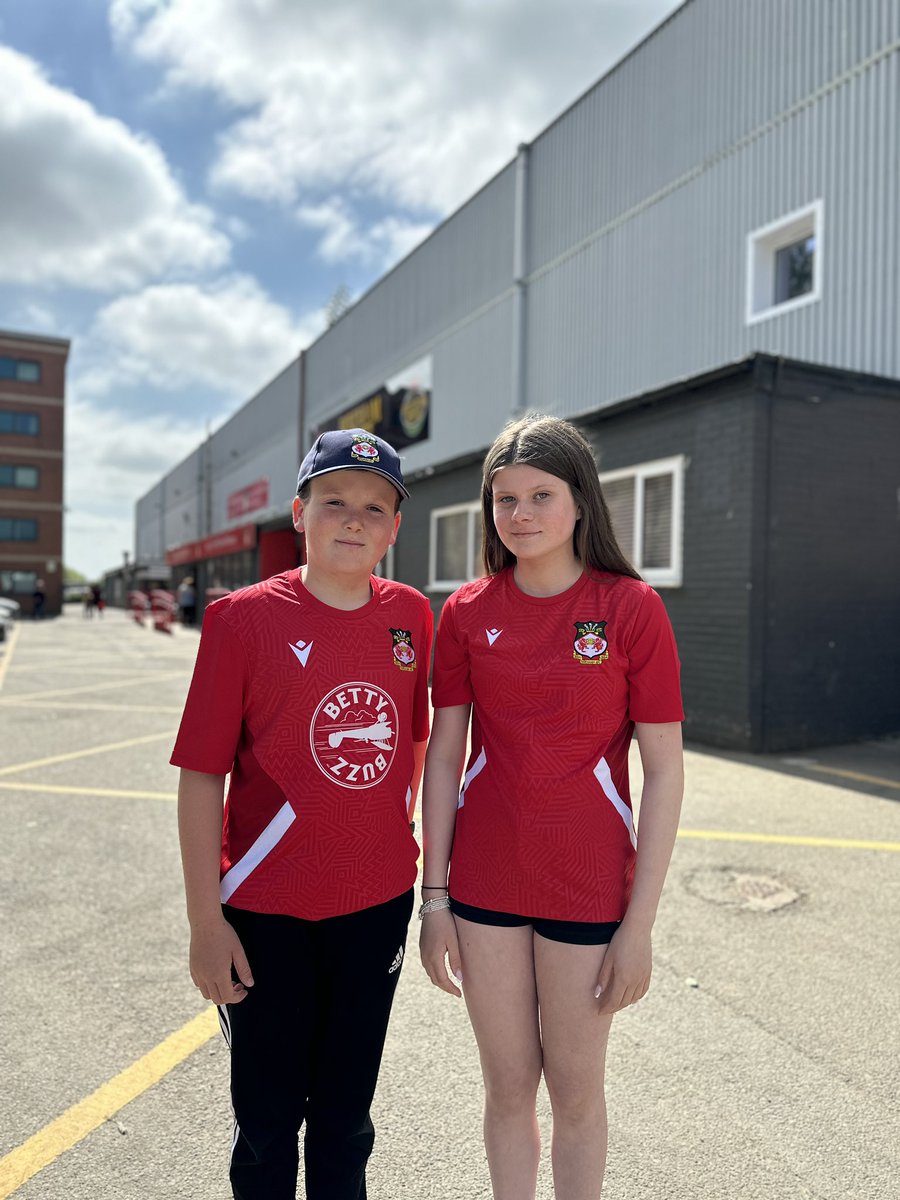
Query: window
<point x="784" y="264"/>
<point x="385" y="568"/>
<point x="20" y="369"/>
<point x="18" y="477"/>
<point x="14" y="529"/>
<point x="455" y="549"/>
<point x="646" y="504"/>
<point x="28" y="424"/>
<point x="17" y="583"/>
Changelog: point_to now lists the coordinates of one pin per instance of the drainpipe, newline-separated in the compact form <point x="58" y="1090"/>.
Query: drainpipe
<point x="301" y="408"/>
<point x="301" y="434"/>
<point x="770" y="388"/>
<point x="519" y="389"/>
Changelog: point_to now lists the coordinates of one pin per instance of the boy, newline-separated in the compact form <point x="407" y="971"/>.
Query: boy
<point x="310" y="689"/>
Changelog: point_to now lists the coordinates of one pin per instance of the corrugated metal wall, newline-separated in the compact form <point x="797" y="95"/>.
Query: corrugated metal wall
<point x="643" y="195"/>
<point x="640" y="200"/>
<point x="261" y="441"/>
<point x="447" y="291"/>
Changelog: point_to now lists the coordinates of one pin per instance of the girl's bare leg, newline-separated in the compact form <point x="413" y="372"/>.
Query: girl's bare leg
<point x="574" y="1038"/>
<point x="499" y="986"/>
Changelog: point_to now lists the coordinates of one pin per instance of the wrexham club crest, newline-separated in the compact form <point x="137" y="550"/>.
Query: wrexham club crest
<point x="590" y="644"/>
<point x="404" y="655"/>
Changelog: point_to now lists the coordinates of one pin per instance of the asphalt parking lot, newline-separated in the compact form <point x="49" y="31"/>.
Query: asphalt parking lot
<point x="762" y="1065"/>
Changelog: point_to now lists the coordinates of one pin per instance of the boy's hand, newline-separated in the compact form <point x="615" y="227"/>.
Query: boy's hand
<point x="625" y="971"/>
<point x="437" y="941"/>
<point x="216" y="957"/>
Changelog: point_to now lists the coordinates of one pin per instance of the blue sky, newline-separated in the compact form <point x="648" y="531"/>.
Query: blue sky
<point x="185" y="183"/>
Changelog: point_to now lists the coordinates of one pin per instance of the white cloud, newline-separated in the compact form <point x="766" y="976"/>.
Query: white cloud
<point x="417" y="104"/>
<point x="381" y="245"/>
<point x="112" y="458"/>
<point x="86" y="202"/>
<point x="228" y="336"/>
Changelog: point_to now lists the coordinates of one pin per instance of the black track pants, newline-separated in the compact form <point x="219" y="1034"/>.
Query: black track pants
<point x="306" y="1046"/>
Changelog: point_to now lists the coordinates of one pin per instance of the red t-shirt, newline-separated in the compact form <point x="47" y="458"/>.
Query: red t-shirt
<point x="544" y="826"/>
<point x="314" y="712"/>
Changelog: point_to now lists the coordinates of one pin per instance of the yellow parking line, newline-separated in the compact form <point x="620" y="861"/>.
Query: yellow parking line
<point x="152" y="677"/>
<point x="58" y="758"/>
<point x="716" y="835"/>
<point x="83" y="791"/>
<point x="56" y="706"/>
<point x="83" y="1118"/>
<point x="857" y="775"/>
<point x="7" y="657"/>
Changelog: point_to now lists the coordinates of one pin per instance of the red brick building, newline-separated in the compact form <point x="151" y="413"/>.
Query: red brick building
<point x="32" y="412"/>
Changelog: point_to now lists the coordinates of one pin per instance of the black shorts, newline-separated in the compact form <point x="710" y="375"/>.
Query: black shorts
<point x="574" y="933"/>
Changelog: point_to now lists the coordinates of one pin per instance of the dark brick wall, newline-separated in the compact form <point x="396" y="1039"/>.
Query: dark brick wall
<point x="832" y="647"/>
<point x="788" y="617"/>
<point x="713" y="427"/>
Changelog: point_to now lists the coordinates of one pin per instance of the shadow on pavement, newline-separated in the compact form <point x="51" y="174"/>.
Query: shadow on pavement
<point x="871" y="768"/>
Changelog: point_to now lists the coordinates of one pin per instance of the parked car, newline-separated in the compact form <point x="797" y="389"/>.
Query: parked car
<point x="9" y="611"/>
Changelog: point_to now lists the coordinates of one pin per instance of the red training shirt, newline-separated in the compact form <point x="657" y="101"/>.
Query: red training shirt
<point x="544" y="827"/>
<point x="314" y="712"/>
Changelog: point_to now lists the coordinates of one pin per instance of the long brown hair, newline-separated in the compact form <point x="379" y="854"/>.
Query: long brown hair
<point x="557" y="447"/>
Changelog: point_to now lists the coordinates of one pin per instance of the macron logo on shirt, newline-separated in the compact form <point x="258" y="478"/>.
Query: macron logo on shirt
<point x="302" y="649"/>
<point x="492" y="635"/>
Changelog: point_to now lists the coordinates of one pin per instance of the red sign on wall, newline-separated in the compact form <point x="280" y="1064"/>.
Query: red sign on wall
<point x="248" y="499"/>
<point x="217" y="544"/>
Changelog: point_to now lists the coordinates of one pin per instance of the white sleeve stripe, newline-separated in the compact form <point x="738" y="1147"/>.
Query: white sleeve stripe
<point x="476" y="768"/>
<point x="605" y="779"/>
<point x="264" y="844"/>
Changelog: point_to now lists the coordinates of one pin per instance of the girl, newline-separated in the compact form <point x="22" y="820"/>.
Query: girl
<point x="559" y="655"/>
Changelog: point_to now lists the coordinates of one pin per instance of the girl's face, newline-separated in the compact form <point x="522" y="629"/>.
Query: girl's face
<point x="534" y="514"/>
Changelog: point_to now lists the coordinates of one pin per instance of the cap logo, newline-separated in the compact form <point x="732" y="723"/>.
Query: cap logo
<point x="365" y="450"/>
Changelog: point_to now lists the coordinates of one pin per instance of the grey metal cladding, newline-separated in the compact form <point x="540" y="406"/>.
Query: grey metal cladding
<point x="463" y="266"/>
<point x="640" y="200"/>
<point x="718" y="71"/>
<point x="643" y="195"/>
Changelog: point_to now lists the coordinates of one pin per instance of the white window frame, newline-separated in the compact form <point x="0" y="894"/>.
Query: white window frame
<point x="763" y="245"/>
<point x="670" y="576"/>
<point x="473" y="508"/>
<point x="385" y="568"/>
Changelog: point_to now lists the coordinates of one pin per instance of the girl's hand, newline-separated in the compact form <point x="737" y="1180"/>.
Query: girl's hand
<point x="625" y="973"/>
<point x="438" y="946"/>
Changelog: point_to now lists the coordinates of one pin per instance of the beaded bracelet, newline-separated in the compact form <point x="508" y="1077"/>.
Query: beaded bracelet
<point x="434" y="905"/>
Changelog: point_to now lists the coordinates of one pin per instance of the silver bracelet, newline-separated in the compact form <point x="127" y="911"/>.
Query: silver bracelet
<point x="434" y="905"/>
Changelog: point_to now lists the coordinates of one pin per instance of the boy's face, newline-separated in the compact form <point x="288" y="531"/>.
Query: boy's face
<point x="349" y="520"/>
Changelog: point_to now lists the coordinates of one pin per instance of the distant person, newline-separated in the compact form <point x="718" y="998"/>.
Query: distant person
<point x="556" y="658"/>
<point x="311" y="691"/>
<point x="39" y="599"/>
<point x="89" y="602"/>
<point x="186" y="597"/>
<point x="97" y="596"/>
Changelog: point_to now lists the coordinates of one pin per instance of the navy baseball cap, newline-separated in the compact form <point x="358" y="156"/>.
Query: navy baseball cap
<point x="338" y="449"/>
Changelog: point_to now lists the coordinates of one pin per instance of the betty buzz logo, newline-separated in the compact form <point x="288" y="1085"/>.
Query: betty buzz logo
<point x="404" y="654"/>
<point x="351" y="734"/>
<point x="590" y="645"/>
